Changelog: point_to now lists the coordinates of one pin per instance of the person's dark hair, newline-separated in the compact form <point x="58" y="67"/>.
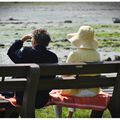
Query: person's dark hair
<point x="42" y="37"/>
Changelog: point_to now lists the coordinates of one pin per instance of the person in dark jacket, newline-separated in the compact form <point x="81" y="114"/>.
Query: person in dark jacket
<point x="38" y="53"/>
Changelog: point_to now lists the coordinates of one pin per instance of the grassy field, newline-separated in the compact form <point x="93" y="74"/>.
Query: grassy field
<point x="108" y="36"/>
<point x="48" y="112"/>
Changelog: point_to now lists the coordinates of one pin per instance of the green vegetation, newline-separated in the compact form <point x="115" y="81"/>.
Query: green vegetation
<point x="47" y="112"/>
<point x="108" y="36"/>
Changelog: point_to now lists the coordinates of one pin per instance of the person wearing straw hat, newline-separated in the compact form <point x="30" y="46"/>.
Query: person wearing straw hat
<point x="86" y="51"/>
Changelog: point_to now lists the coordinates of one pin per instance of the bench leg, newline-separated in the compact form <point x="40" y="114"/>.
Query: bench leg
<point x="57" y="111"/>
<point x="11" y="113"/>
<point x="2" y="114"/>
<point x="96" y="114"/>
<point x="114" y="111"/>
<point x="70" y="114"/>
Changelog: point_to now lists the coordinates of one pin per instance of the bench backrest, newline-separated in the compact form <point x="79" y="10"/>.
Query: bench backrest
<point x="12" y="71"/>
<point x="89" y="75"/>
<point x="35" y="80"/>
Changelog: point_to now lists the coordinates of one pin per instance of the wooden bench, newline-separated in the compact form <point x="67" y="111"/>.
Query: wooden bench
<point x="34" y="83"/>
<point x="19" y="77"/>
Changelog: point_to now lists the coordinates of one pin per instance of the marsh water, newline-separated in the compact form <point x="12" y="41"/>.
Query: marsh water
<point x="18" y="15"/>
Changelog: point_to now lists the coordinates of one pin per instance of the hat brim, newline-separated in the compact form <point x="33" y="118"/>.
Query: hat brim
<point x="75" y="40"/>
<point x="71" y="35"/>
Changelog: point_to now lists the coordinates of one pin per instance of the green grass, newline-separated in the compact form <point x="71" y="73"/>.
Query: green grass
<point x="107" y="35"/>
<point x="109" y="43"/>
<point x="47" y="112"/>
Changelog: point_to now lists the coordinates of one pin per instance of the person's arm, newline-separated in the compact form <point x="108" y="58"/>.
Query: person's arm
<point x="14" y="52"/>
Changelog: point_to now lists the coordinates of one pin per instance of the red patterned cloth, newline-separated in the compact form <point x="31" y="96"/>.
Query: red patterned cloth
<point x="11" y="100"/>
<point x="98" y="102"/>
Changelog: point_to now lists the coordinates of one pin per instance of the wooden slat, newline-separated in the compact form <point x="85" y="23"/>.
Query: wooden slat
<point x="14" y="70"/>
<point x="12" y="86"/>
<point x="85" y="82"/>
<point x="81" y="68"/>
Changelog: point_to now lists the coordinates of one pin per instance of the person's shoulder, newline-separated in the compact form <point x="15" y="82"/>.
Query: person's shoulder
<point x="53" y="54"/>
<point x="26" y="50"/>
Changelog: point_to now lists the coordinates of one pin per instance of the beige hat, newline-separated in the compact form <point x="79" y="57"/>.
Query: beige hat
<point x="84" y="38"/>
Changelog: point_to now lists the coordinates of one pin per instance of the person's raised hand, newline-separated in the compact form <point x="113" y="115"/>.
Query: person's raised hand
<point x="26" y="37"/>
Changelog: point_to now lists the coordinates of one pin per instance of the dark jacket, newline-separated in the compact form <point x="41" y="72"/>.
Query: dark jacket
<point x="39" y="54"/>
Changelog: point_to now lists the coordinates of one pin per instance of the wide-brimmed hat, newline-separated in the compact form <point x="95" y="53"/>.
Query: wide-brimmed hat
<point x="84" y="38"/>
